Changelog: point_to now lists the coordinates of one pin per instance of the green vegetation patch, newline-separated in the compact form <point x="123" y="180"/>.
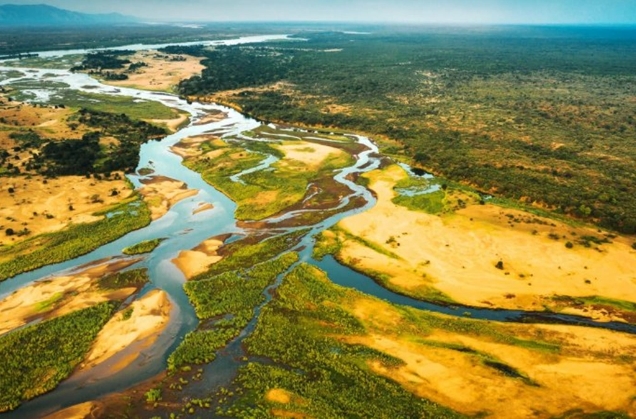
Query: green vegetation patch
<point x="200" y="347"/>
<point x="230" y="299"/>
<point x="430" y="203"/>
<point x="233" y="292"/>
<point x="143" y="247"/>
<point x="127" y="279"/>
<point x="50" y="303"/>
<point x="265" y="192"/>
<point x="242" y="255"/>
<point x="75" y="240"/>
<point x="37" y="358"/>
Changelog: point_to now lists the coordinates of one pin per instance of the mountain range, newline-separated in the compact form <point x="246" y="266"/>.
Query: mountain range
<point x="44" y="15"/>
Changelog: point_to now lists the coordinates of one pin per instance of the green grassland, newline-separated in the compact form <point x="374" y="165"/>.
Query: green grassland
<point x="542" y="115"/>
<point x="93" y="101"/>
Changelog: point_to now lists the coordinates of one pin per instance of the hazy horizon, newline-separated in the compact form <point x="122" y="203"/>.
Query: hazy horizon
<point x="377" y="11"/>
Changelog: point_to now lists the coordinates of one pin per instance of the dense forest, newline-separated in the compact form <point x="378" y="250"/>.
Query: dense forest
<point x="542" y="115"/>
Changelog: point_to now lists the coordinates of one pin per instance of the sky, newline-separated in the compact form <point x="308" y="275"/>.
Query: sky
<point x="411" y="11"/>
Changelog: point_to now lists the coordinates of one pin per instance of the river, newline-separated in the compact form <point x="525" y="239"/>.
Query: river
<point x="183" y="230"/>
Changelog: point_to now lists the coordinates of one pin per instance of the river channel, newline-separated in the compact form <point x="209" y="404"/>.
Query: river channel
<point x="184" y="229"/>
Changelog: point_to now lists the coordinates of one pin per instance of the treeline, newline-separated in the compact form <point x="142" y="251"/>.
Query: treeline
<point x="86" y="155"/>
<point x="239" y="67"/>
<point x="536" y="114"/>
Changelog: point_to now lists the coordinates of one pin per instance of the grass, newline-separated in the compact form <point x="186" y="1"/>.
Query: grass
<point x="115" y="104"/>
<point x="243" y="255"/>
<point x="50" y="303"/>
<point x="579" y="302"/>
<point x="230" y="298"/>
<point x="37" y="358"/>
<point x="50" y="248"/>
<point x="127" y="279"/>
<point x="143" y="247"/>
<point x="98" y="102"/>
<point x="430" y="203"/>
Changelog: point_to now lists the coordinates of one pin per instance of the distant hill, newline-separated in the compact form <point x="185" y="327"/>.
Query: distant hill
<point x="43" y="15"/>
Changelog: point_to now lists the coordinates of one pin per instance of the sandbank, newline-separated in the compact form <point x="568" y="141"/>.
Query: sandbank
<point x="138" y="324"/>
<point x="161" y="193"/>
<point x="198" y="260"/>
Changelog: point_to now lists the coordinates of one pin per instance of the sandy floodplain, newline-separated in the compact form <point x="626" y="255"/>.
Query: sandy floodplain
<point x="592" y="369"/>
<point x="162" y="71"/>
<point x="457" y="253"/>
<point x="47" y="205"/>
<point x="303" y="155"/>
<point x="161" y="193"/>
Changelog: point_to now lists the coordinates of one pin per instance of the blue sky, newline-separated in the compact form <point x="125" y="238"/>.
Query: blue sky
<point x="425" y="11"/>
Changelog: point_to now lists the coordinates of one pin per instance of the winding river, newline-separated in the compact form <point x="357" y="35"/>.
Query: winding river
<point x="183" y="230"/>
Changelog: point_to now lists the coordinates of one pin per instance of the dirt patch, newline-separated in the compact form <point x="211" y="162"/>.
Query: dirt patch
<point x="278" y="395"/>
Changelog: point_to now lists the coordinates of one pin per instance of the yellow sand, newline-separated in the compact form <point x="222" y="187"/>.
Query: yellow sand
<point x="585" y="374"/>
<point x="149" y="317"/>
<point x="59" y="295"/>
<point x="162" y="193"/>
<point x="198" y="260"/>
<point x="161" y="74"/>
<point x="457" y="254"/>
<point x="307" y="155"/>
<point x="33" y="200"/>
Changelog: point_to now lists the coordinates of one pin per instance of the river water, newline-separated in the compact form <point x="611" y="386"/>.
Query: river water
<point x="183" y="230"/>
